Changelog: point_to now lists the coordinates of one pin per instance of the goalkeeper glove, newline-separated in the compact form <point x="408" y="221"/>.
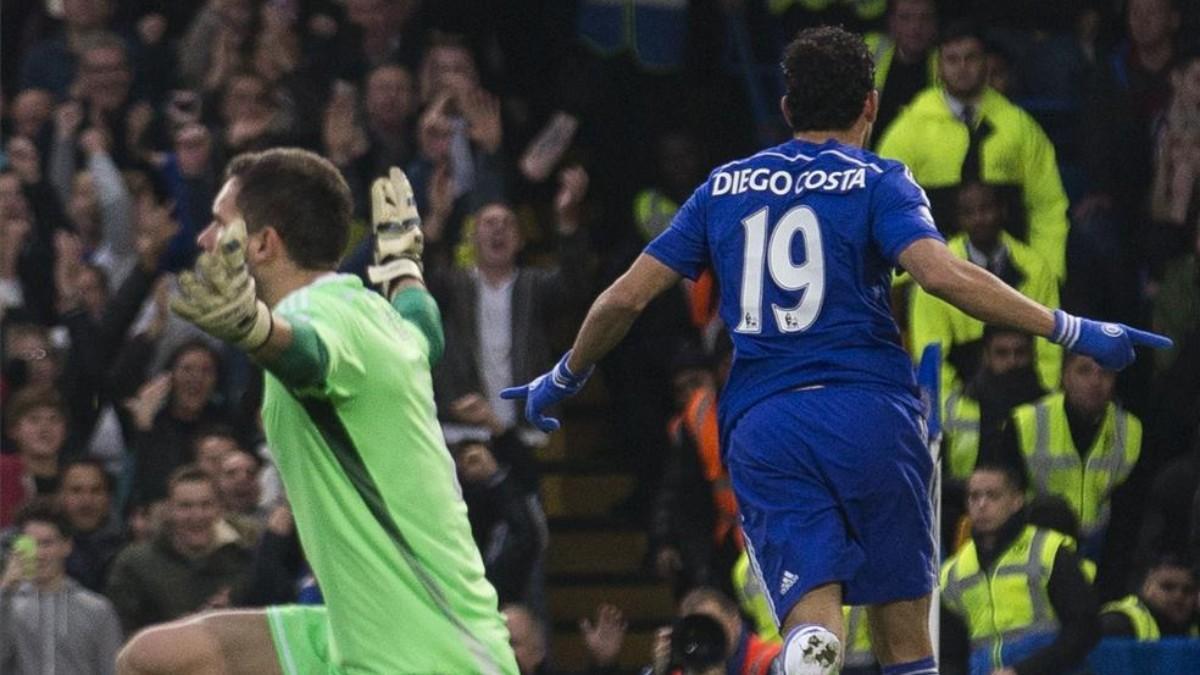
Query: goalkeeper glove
<point x="219" y="295"/>
<point x="547" y="390"/>
<point x="1110" y="344"/>
<point x="397" y="226"/>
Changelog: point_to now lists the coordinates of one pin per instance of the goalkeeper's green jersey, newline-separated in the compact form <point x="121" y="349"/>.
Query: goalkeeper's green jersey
<point x="375" y="497"/>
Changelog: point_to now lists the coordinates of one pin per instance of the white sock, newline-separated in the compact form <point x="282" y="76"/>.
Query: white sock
<point x="811" y="650"/>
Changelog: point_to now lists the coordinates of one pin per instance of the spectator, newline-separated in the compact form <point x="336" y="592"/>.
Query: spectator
<point x="1168" y="518"/>
<point x="98" y="203"/>
<point x="982" y="217"/>
<point x="104" y="87"/>
<point x="239" y="490"/>
<point x="1174" y="197"/>
<point x="85" y="495"/>
<point x="30" y="360"/>
<point x="48" y="622"/>
<point x="31" y="110"/>
<point x="37" y="423"/>
<point x="497" y="314"/>
<point x="197" y="562"/>
<point x="1078" y="444"/>
<point x="746" y="653"/>
<point x="905" y="59"/>
<point x="978" y="410"/>
<point x="962" y="130"/>
<point x="695" y="533"/>
<point x="251" y="114"/>
<point x="165" y="413"/>
<point x="51" y="63"/>
<point x="503" y="527"/>
<point x="603" y="637"/>
<point x="211" y="445"/>
<point x="1016" y="592"/>
<point x="1164" y="605"/>
<point x="1177" y="305"/>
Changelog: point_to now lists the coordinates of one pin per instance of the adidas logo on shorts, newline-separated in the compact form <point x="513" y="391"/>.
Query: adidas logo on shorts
<point x="789" y="580"/>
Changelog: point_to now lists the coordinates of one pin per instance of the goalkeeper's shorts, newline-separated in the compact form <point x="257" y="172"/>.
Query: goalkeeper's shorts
<point x="833" y="487"/>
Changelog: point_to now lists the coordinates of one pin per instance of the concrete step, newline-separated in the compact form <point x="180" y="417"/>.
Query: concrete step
<point x="579" y="495"/>
<point x="640" y="600"/>
<point x="595" y="551"/>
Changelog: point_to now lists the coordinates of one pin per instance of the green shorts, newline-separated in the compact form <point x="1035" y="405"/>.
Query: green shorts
<point x="301" y="637"/>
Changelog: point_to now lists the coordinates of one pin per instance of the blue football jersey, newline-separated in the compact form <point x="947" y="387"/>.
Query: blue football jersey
<point x="802" y="239"/>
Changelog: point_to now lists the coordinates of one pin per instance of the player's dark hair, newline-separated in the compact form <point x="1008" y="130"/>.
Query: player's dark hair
<point x="829" y="73"/>
<point x="44" y="510"/>
<point x="302" y="196"/>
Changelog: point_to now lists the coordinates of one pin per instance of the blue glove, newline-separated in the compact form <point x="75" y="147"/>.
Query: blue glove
<point x="547" y="390"/>
<point x="1110" y="344"/>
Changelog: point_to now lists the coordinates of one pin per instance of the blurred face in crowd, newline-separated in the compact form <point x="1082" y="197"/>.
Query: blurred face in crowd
<point x="497" y="238"/>
<point x="193" y="149"/>
<point x="963" y="68"/>
<point x="376" y="15"/>
<point x="679" y="162"/>
<point x="33" y="347"/>
<point x="40" y="433"/>
<point x="448" y="69"/>
<point x="913" y="25"/>
<point x="52" y="550"/>
<point x="30" y="111"/>
<point x="211" y="451"/>
<point x="235" y="15"/>
<point x="1185" y="82"/>
<point x="1006" y="352"/>
<point x="83" y="497"/>
<point x="1171" y="591"/>
<point x="526" y="638"/>
<point x="93" y="289"/>
<point x="1088" y="387"/>
<point x="83" y="206"/>
<point x="992" y="499"/>
<point x="238" y="482"/>
<point x="193" y="378"/>
<point x="12" y="199"/>
<point x="105" y="76"/>
<point x="475" y="463"/>
<point x="192" y="515"/>
<point x="247" y="97"/>
<point x="980" y="215"/>
<point x="999" y="74"/>
<point x="389" y="96"/>
<point x="1151" y="22"/>
<point x="86" y="14"/>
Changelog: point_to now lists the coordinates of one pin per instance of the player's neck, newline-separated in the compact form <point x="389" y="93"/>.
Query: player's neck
<point x="855" y="135"/>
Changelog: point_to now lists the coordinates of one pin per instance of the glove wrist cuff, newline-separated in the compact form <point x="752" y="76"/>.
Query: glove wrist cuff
<point x="563" y="376"/>
<point x="260" y="331"/>
<point x="1066" y="329"/>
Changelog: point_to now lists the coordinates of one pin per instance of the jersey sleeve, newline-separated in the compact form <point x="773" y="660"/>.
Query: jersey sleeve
<point x="324" y="343"/>
<point x="900" y="213"/>
<point x="684" y="245"/>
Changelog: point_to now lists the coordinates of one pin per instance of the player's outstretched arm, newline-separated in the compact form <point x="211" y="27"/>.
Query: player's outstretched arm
<point x="977" y="292"/>
<point x="606" y="324"/>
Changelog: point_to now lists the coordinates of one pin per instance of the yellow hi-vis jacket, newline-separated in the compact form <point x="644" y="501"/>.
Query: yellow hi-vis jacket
<point x="1011" y="603"/>
<point x="931" y="319"/>
<point x="928" y="138"/>
<point x="1145" y="626"/>
<point x="1055" y="467"/>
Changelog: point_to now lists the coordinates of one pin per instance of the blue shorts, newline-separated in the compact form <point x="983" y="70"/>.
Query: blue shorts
<point x="833" y="485"/>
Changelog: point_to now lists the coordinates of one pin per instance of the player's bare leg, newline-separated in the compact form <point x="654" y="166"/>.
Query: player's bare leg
<point x="814" y="632"/>
<point x="900" y="634"/>
<point x="234" y="642"/>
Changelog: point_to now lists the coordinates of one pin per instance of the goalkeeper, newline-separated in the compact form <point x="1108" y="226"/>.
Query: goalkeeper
<point x="349" y="413"/>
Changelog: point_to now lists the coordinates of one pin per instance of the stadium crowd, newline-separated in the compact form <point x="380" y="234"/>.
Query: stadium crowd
<point x="547" y="143"/>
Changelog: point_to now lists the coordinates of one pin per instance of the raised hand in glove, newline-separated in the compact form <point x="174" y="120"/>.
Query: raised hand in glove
<point x="218" y="296"/>
<point x="397" y="225"/>
<point x="1110" y="344"/>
